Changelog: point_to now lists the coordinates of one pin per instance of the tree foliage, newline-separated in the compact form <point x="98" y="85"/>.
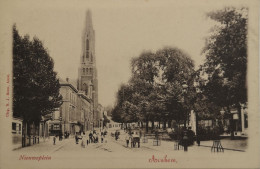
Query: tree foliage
<point x="35" y="85"/>
<point x="226" y="58"/>
<point x="155" y="92"/>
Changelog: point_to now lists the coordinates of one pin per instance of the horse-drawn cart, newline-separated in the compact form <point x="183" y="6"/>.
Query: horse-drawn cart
<point x="135" y="139"/>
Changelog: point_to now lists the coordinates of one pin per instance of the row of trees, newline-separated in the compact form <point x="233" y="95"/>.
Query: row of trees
<point x="35" y="85"/>
<point x="165" y="86"/>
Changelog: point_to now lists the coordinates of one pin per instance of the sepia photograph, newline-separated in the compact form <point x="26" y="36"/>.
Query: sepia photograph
<point x="129" y="84"/>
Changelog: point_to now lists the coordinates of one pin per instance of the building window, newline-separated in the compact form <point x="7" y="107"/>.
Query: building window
<point x="87" y="44"/>
<point x="87" y="54"/>
<point x="83" y="70"/>
<point x="56" y="127"/>
<point x="87" y="70"/>
<point x="91" y="58"/>
<point x="85" y="88"/>
<point x="14" y="126"/>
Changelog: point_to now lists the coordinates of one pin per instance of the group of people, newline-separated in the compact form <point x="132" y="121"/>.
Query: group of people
<point x="133" y="138"/>
<point x="59" y="135"/>
<point x="93" y="137"/>
<point x="66" y="134"/>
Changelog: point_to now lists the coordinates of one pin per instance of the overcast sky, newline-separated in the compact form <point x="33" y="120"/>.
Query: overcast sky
<point x="123" y="30"/>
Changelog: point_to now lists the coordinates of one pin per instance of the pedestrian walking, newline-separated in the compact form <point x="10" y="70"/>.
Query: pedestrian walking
<point x="127" y="138"/>
<point x="60" y="136"/>
<point x="90" y="137"/>
<point x="94" y="138"/>
<point x="198" y="140"/>
<point x="97" y="138"/>
<point x="83" y="141"/>
<point x="76" y="139"/>
<point x="54" y="140"/>
<point x="140" y="133"/>
<point x="131" y="140"/>
<point x="116" y="135"/>
<point x="102" y="138"/>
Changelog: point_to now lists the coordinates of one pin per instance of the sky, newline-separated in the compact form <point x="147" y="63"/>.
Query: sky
<point x="123" y="29"/>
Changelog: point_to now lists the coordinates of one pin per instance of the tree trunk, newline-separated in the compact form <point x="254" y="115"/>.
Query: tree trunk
<point x="152" y="124"/>
<point x="164" y="124"/>
<point x="33" y="126"/>
<point x="239" y="117"/>
<point x="24" y="134"/>
<point x="159" y="125"/>
<point x="197" y="120"/>
<point x="185" y="120"/>
<point x="178" y="130"/>
<point x="170" y="124"/>
<point x="147" y="125"/>
<point x="232" y="128"/>
<point x="44" y="124"/>
<point x="231" y="124"/>
<point x="29" y="132"/>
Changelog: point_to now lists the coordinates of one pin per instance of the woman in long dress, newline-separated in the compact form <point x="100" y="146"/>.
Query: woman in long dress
<point x="83" y="141"/>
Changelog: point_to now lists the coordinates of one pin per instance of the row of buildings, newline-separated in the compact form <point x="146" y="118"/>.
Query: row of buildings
<point x="80" y="110"/>
<point x="237" y="120"/>
<point x="76" y="114"/>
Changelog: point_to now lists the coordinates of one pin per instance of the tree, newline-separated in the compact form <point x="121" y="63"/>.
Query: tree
<point x="226" y="59"/>
<point x="145" y="70"/>
<point x="35" y="85"/>
<point x="177" y="68"/>
<point x="155" y="91"/>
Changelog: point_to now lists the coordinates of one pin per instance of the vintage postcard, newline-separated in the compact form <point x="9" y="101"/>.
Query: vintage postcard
<point x="129" y="84"/>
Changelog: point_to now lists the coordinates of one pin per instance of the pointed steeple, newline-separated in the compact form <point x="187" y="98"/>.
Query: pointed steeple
<point x="87" y="72"/>
<point x="88" y="21"/>
<point x="88" y="40"/>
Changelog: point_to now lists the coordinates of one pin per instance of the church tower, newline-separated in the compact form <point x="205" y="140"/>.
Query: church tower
<point x="87" y="72"/>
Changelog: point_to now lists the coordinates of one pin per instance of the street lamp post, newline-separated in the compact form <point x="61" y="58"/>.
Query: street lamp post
<point x="184" y="88"/>
<point x="60" y="128"/>
<point x="185" y="138"/>
<point x="222" y="111"/>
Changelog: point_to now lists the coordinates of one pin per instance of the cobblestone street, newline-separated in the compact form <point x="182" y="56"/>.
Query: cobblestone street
<point x="69" y="154"/>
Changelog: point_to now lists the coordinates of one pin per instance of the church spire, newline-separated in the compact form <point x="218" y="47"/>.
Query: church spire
<point x="88" y="41"/>
<point x="87" y="72"/>
<point x="88" y="21"/>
